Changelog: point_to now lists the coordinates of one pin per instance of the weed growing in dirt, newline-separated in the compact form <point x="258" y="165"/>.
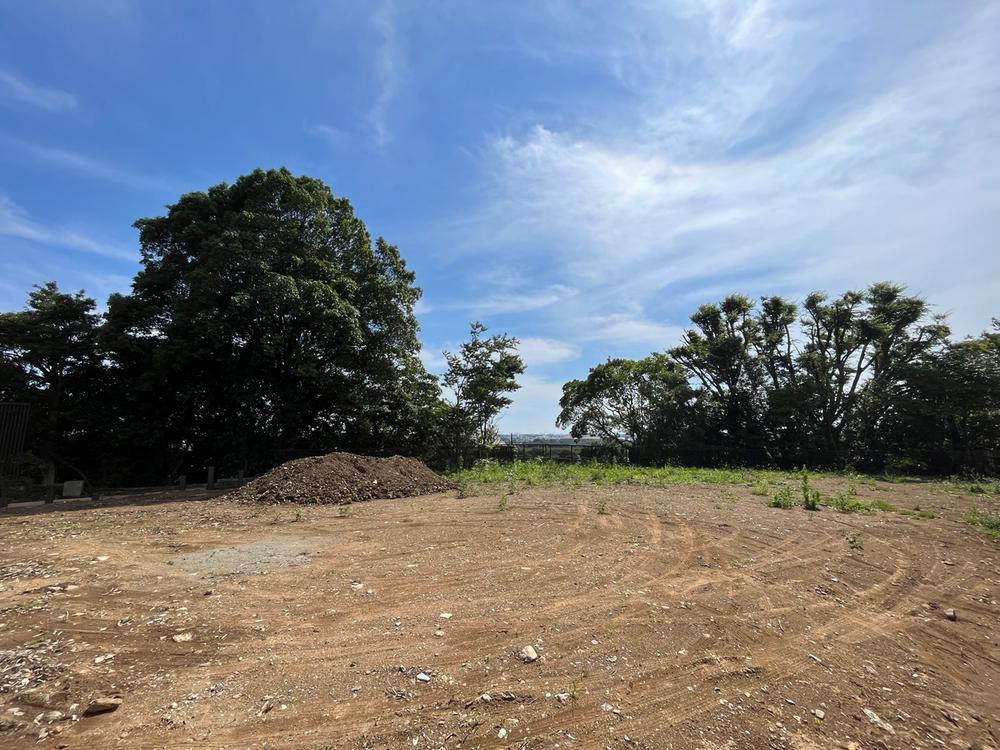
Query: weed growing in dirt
<point x="854" y="540"/>
<point x="982" y="487"/>
<point x="845" y="503"/>
<point x="344" y="511"/>
<point x="882" y="505"/>
<point x="762" y="488"/>
<point x="502" y="505"/>
<point x="782" y="499"/>
<point x="988" y="521"/>
<point x="574" y="689"/>
<point x="810" y="497"/>
<point x="602" y="506"/>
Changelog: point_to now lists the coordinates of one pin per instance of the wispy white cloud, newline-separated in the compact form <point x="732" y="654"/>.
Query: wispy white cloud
<point x="82" y="164"/>
<point x="537" y="352"/>
<point x="16" y="88"/>
<point x="519" y="300"/>
<point x="388" y="71"/>
<point x="15" y="222"/>
<point x="744" y="173"/>
<point x="625" y="330"/>
<point x="333" y="136"/>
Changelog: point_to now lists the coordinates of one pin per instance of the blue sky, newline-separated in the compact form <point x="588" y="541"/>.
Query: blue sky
<point x="579" y="174"/>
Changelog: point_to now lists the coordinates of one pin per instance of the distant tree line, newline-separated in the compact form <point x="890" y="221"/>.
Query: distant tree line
<point x="265" y="324"/>
<point x="867" y="379"/>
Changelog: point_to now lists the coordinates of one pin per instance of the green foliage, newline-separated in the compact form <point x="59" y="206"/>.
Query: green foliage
<point x="50" y="359"/>
<point x="845" y="503"/>
<point x="810" y="497"/>
<point x="480" y="376"/>
<point x="539" y="472"/>
<point x="782" y="499"/>
<point x="502" y="503"/>
<point x="879" y="504"/>
<point x="602" y="506"/>
<point x="266" y="319"/>
<point x="640" y="405"/>
<point x="855" y="541"/>
<point x="762" y="488"/>
<point x="987" y="520"/>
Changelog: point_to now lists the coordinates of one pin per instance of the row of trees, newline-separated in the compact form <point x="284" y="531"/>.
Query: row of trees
<point x="867" y="379"/>
<point x="265" y="323"/>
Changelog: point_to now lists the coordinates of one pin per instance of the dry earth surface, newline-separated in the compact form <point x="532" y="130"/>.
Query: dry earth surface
<point x="681" y="617"/>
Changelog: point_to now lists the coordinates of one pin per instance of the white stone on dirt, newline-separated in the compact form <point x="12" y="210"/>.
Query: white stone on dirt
<point x="951" y="614"/>
<point x="878" y="721"/>
<point x="182" y="637"/>
<point x="423" y="677"/>
<point x="528" y="654"/>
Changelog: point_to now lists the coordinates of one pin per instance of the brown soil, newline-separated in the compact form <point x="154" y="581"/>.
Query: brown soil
<point x="341" y="478"/>
<point x="686" y="617"/>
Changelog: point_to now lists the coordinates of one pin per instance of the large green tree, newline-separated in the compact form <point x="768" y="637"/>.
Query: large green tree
<point x="266" y="321"/>
<point x="48" y="359"/>
<point x="721" y="352"/>
<point x="855" y="352"/>
<point x="479" y="376"/>
<point x="638" y="406"/>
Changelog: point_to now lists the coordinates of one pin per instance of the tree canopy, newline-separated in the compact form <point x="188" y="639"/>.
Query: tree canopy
<point x="267" y="323"/>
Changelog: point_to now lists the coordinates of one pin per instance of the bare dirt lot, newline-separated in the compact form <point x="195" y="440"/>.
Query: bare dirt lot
<point x="681" y="617"/>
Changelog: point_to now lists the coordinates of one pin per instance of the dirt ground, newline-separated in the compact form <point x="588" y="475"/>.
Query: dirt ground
<point x="682" y="617"/>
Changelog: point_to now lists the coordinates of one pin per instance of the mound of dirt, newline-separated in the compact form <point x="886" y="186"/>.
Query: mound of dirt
<point x="341" y="478"/>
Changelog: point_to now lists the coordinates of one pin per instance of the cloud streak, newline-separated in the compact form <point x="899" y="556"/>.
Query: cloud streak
<point x="15" y="222"/>
<point x="388" y="71"/>
<point x="16" y="88"/>
<point x="751" y="175"/>
<point x="83" y="164"/>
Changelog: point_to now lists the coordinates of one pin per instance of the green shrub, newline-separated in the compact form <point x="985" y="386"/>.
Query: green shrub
<point x="846" y="504"/>
<point x="810" y="497"/>
<point x="854" y="540"/>
<point x="782" y="499"/>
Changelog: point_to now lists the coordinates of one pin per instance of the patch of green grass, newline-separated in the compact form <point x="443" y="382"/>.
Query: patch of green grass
<point x="854" y="540"/>
<point x="916" y="512"/>
<point x="989" y="487"/>
<point x="602" y="506"/>
<point x="502" y="504"/>
<point x="541" y="473"/>
<point x="883" y="505"/>
<point x="987" y="520"/>
<point x="844" y="503"/>
<point x="782" y="499"/>
<point x="762" y="488"/>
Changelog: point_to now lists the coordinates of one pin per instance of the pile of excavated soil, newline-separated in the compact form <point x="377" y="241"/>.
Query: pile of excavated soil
<point x="341" y="478"/>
